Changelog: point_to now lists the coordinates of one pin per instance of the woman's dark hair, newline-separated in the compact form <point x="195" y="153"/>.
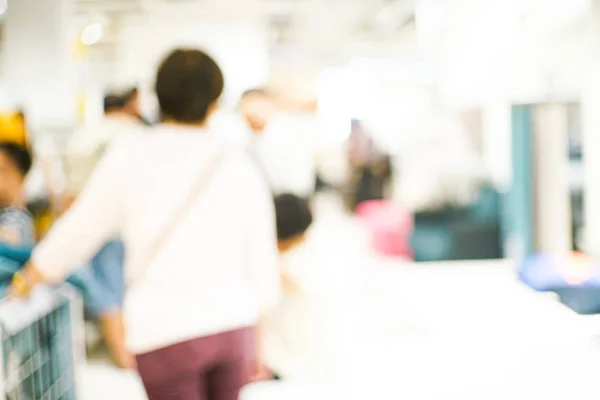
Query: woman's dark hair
<point x="293" y="215"/>
<point x="20" y="157"/>
<point x="117" y="102"/>
<point x="187" y="83"/>
<point x="113" y="103"/>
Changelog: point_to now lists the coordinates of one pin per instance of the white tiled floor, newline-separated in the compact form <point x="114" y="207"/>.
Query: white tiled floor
<point x="464" y="330"/>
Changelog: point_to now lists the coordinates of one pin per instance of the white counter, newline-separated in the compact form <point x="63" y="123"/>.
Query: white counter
<point x="390" y="330"/>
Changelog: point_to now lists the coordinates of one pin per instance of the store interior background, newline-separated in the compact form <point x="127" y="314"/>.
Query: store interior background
<point x="405" y="68"/>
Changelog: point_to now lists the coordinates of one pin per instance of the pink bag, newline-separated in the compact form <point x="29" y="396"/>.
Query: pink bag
<point x="390" y="227"/>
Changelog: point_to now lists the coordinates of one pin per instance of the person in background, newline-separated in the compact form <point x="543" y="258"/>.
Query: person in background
<point x="16" y="224"/>
<point x="202" y="267"/>
<point x="371" y="170"/>
<point x="106" y="266"/>
<point x="17" y="228"/>
<point x="88" y="146"/>
<point x="282" y="144"/>
<point x="105" y="274"/>
<point x="258" y="109"/>
<point x="129" y="103"/>
<point x="294" y="218"/>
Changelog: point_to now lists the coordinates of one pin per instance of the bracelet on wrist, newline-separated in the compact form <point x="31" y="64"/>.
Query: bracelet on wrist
<point x="20" y="284"/>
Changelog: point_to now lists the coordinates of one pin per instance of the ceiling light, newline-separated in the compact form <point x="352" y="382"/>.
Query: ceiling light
<point x="92" y="34"/>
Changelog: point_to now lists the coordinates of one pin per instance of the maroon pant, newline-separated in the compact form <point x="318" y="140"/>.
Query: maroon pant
<point x="208" y="368"/>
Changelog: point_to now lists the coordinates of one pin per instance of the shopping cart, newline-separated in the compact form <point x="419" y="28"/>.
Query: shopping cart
<point x="41" y="345"/>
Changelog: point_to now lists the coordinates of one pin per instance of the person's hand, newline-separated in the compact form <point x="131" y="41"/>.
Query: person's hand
<point x="124" y="360"/>
<point x="24" y="281"/>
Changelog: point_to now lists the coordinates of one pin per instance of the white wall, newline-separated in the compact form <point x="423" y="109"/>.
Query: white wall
<point x="552" y="211"/>
<point x="389" y="95"/>
<point x="492" y="54"/>
<point x="497" y="150"/>
<point x="240" y="49"/>
<point x="39" y="69"/>
<point x="506" y="48"/>
<point x="591" y="148"/>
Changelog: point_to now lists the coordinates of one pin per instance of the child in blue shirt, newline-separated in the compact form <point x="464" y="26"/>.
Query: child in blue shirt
<point x="101" y="288"/>
<point x="16" y="224"/>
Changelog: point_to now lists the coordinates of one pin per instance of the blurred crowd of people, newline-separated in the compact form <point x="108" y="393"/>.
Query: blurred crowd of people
<point x="174" y="235"/>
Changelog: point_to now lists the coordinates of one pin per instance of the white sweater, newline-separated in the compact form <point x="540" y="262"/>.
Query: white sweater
<point x="219" y="269"/>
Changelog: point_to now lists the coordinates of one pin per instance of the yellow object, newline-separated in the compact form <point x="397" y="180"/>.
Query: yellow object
<point x="13" y="129"/>
<point x="577" y="268"/>
<point x="80" y="48"/>
<point x="43" y="224"/>
<point x="20" y="285"/>
<point x="81" y="104"/>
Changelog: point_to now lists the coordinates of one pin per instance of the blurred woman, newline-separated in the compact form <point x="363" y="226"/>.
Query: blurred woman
<point x="282" y="143"/>
<point x="371" y="170"/>
<point x="105" y="272"/>
<point x="199" y="228"/>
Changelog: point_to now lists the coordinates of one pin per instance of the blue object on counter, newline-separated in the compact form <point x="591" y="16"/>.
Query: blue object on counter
<point x="582" y="300"/>
<point x="542" y="273"/>
<point x="539" y="272"/>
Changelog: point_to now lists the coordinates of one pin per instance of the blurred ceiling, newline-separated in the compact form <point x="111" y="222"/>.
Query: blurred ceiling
<point x="305" y="35"/>
<point x="109" y="7"/>
<point x="318" y="25"/>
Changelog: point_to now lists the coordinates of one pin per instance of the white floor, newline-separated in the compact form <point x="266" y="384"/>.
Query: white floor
<point x="396" y="330"/>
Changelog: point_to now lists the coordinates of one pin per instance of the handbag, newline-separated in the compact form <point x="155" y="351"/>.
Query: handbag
<point x="203" y="181"/>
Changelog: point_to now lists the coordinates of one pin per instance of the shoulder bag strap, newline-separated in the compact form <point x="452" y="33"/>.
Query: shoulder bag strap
<point x="179" y="213"/>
